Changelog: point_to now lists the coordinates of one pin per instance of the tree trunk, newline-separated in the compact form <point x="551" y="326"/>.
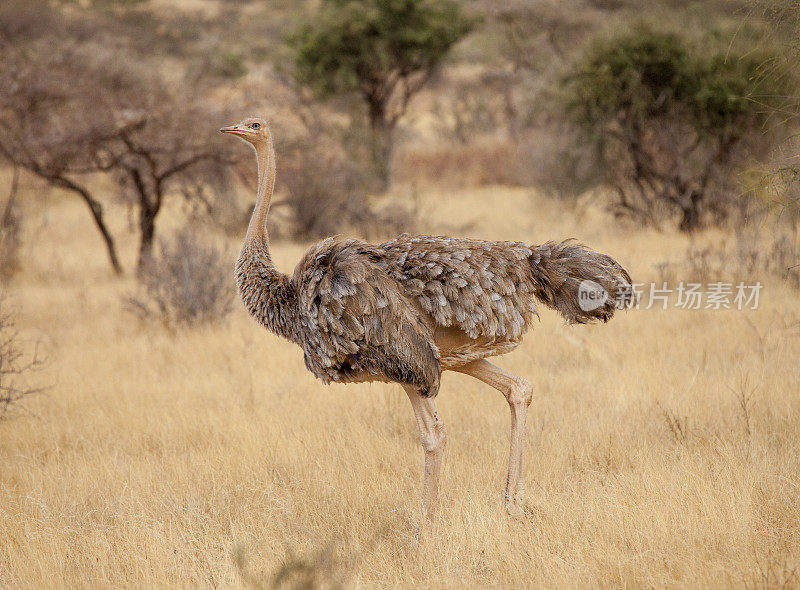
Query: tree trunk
<point x="691" y="213"/>
<point x="97" y="214"/>
<point x="6" y="216"/>
<point x="147" y="229"/>
<point x="149" y="206"/>
<point x="381" y="144"/>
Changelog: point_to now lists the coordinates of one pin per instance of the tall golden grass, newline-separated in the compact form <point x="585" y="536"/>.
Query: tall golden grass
<point x="663" y="449"/>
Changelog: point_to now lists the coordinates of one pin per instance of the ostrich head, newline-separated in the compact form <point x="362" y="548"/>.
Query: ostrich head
<point x="254" y="131"/>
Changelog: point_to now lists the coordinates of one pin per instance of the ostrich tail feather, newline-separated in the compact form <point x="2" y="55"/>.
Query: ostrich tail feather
<point x="581" y="284"/>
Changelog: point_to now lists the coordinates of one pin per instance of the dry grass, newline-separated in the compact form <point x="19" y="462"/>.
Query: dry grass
<point x="663" y="447"/>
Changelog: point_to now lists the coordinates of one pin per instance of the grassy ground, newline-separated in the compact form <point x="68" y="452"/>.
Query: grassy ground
<point x="662" y="451"/>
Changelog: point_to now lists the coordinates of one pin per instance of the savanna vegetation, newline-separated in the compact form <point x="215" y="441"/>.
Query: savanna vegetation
<point x="152" y="435"/>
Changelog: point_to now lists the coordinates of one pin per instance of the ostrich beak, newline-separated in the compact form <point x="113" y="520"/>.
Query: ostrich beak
<point x="241" y="131"/>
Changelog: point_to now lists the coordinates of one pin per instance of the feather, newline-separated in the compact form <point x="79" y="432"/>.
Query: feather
<point x="363" y="311"/>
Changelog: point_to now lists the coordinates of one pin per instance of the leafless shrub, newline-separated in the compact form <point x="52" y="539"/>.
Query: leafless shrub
<point x="16" y="365"/>
<point x="754" y="254"/>
<point x="475" y="106"/>
<point x="187" y="284"/>
<point x="328" y="191"/>
<point x="553" y="161"/>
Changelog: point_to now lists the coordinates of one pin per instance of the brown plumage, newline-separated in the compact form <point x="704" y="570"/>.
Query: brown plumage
<point x="405" y="310"/>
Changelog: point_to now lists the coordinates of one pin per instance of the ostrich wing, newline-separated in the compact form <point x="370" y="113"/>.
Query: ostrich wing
<point x="357" y="323"/>
<point x="484" y="288"/>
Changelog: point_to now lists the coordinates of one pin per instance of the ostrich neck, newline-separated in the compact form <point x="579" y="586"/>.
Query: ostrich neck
<point x="257" y="229"/>
<point x="268" y="295"/>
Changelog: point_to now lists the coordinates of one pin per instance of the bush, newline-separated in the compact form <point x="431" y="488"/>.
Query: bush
<point x="754" y="256"/>
<point x="15" y="365"/>
<point x="186" y="284"/>
<point x="328" y="191"/>
<point x="670" y="121"/>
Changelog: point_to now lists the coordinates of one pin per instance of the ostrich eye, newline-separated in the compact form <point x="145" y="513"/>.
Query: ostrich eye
<point x="255" y="125"/>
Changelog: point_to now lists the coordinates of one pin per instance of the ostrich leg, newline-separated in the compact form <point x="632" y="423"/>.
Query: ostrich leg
<point x="433" y="437"/>
<point x="519" y="393"/>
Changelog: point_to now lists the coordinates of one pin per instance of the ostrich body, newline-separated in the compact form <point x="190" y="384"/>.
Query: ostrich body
<point x="405" y="310"/>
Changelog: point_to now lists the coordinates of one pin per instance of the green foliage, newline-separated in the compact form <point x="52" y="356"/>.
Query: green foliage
<point x="644" y="74"/>
<point x="383" y="49"/>
<point x="629" y="73"/>
<point x="669" y="121"/>
<point x="356" y="42"/>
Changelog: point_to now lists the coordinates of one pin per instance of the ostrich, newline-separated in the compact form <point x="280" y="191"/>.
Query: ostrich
<point x="405" y="310"/>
